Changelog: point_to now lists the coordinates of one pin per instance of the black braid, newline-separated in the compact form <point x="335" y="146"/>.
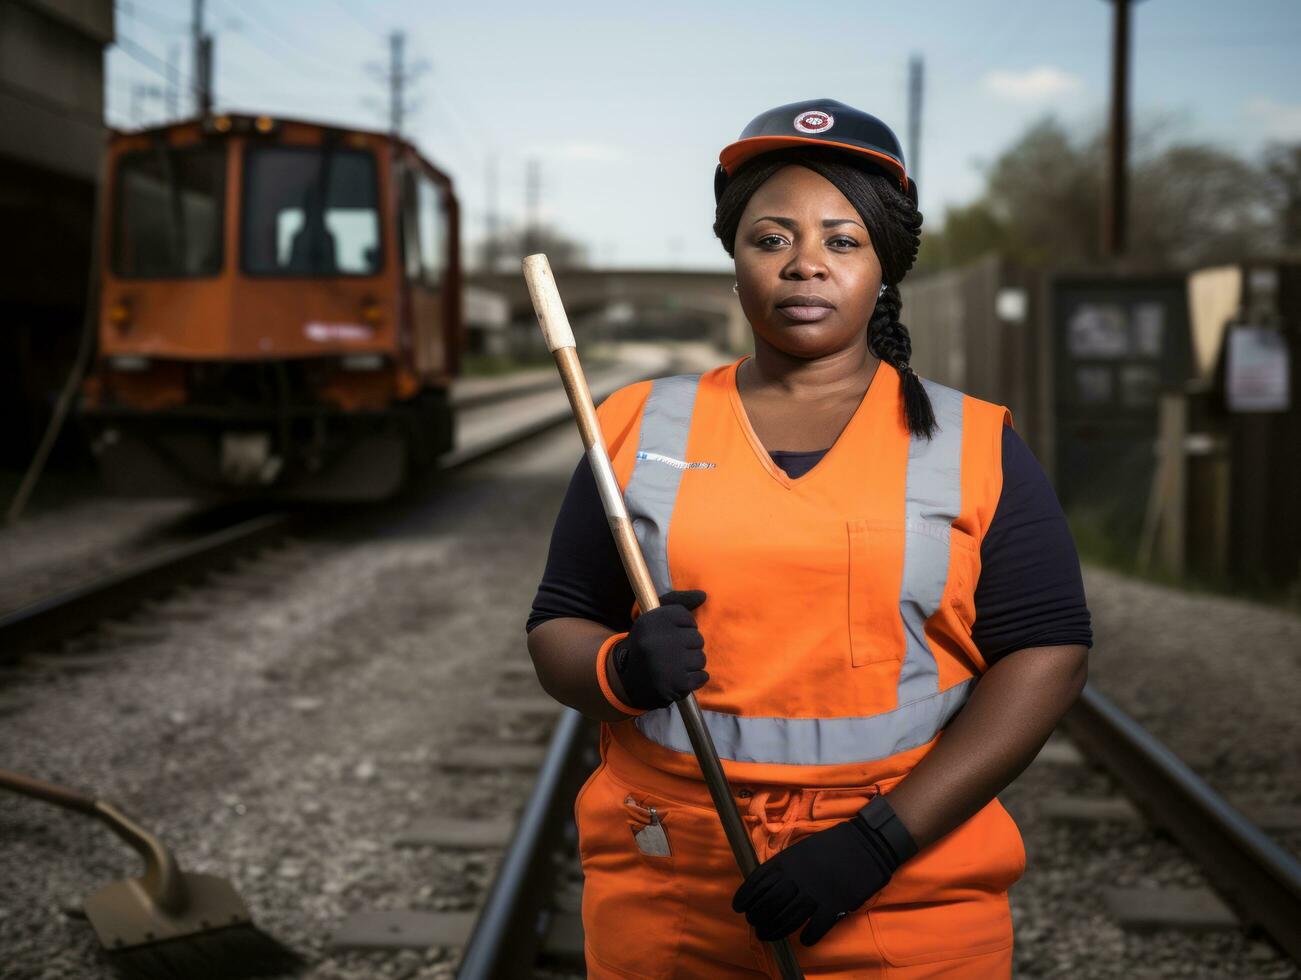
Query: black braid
<point x="894" y="224"/>
<point x="889" y="340"/>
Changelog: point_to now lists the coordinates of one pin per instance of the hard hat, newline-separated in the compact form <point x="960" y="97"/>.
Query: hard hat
<point x="817" y="122"/>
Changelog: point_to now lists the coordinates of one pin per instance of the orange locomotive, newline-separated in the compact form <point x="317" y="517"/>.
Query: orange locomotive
<point x="280" y="311"/>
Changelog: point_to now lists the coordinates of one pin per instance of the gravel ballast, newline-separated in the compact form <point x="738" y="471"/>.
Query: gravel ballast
<point x="282" y="725"/>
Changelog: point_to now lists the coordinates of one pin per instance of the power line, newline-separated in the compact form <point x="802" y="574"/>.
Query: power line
<point x="159" y="21"/>
<point x="288" y="35"/>
<point x="143" y="56"/>
<point x="286" y="44"/>
<point x="355" y="17"/>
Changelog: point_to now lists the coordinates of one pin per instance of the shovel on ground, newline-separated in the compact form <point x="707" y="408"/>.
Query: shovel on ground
<point x="168" y="924"/>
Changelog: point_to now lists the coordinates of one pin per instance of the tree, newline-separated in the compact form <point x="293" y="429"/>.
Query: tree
<point x="1189" y="204"/>
<point x="1282" y="174"/>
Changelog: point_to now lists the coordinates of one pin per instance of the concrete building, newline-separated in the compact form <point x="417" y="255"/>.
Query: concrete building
<point x="51" y="140"/>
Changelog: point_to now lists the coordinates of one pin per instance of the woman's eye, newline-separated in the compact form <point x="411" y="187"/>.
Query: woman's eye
<point x="772" y="241"/>
<point x="842" y="241"/>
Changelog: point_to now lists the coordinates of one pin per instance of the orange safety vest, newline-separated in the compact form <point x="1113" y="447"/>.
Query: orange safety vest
<point x="840" y="604"/>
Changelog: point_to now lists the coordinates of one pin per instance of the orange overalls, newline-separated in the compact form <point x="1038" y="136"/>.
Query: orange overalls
<point x="838" y="635"/>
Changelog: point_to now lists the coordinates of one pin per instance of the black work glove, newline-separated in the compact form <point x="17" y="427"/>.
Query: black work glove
<point x="662" y="659"/>
<point x="823" y="877"/>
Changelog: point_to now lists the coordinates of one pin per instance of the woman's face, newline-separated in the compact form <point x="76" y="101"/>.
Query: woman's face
<point x="806" y="271"/>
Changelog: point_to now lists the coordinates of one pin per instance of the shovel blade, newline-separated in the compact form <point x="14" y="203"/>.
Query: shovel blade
<point x="123" y="914"/>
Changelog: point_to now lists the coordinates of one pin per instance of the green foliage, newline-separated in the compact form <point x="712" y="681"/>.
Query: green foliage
<point x="1189" y="204"/>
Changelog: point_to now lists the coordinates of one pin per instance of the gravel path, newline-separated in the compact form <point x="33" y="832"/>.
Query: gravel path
<point x="52" y="550"/>
<point x="1217" y="679"/>
<point x="1063" y="929"/>
<point x="281" y="729"/>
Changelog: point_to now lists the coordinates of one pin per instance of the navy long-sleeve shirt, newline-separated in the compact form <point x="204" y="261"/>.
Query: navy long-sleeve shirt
<point x="1030" y="592"/>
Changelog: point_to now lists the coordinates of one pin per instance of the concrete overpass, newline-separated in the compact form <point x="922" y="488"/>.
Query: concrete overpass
<point x="590" y="294"/>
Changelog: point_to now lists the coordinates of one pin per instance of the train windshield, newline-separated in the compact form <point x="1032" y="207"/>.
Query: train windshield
<point x="310" y="211"/>
<point x="167" y="220"/>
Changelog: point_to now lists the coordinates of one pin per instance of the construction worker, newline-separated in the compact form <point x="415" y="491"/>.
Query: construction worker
<point x="867" y="582"/>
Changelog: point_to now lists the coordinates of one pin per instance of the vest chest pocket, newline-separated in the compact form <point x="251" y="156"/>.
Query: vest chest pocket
<point x="897" y="576"/>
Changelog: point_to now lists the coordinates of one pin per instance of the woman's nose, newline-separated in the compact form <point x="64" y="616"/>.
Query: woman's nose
<point x="805" y="264"/>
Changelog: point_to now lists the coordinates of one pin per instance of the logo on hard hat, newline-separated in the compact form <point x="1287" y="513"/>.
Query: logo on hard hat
<point x="814" y="121"/>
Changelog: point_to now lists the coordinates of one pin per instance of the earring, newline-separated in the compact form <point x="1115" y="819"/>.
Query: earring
<point x="736" y="288"/>
<point x="880" y="292"/>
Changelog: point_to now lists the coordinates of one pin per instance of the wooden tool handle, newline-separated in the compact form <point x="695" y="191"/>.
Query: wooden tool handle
<point x="546" y="301"/>
<point x="560" y="341"/>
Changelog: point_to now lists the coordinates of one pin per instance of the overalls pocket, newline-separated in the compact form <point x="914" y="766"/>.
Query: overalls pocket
<point x="950" y="901"/>
<point x="633" y="902"/>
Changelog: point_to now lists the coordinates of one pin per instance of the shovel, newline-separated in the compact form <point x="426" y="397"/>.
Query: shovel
<point x="168" y="924"/>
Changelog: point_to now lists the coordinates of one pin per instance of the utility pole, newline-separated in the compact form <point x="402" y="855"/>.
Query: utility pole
<point x="532" y="205"/>
<point x="915" y="82"/>
<point x="1114" y="208"/>
<point x="202" y="61"/>
<point x="173" y="102"/>
<point x="398" y="77"/>
<point x="492" y="227"/>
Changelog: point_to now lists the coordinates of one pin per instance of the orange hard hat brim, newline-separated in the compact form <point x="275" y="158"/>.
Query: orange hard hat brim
<point x="735" y="154"/>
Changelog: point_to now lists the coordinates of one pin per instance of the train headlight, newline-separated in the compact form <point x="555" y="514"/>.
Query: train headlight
<point x="264" y="124"/>
<point x="119" y="314"/>
<point x="128" y="362"/>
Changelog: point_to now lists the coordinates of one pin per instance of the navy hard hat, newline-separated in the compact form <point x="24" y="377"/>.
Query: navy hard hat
<point x="817" y="122"/>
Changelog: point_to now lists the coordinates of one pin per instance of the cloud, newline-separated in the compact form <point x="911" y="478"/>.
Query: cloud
<point x="1279" y="120"/>
<point x="1032" y="85"/>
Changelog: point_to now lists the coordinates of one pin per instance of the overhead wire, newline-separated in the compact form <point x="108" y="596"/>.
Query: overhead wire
<point x="356" y="18"/>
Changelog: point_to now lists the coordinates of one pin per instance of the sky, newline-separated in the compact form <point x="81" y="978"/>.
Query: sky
<point x="626" y="106"/>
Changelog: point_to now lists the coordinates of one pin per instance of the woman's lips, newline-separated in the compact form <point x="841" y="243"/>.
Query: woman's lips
<point x="805" y="314"/>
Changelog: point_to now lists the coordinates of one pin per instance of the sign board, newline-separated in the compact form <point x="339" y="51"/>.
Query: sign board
<point x="1257" y="370"/>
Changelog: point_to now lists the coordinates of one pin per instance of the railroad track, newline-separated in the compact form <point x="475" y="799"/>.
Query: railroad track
<point x="48" y="621"/>
<point x="509" y="931"/>
<point x="1258" y="878"/>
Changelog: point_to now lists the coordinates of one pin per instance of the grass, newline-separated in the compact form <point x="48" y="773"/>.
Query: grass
<point x="1116" y="550"/>
<point x="491" y="365"/>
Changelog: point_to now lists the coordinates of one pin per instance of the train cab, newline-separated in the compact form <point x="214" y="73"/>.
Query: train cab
<point x="279" y="311"/>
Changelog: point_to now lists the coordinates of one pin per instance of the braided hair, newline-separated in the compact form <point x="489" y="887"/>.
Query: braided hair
<point x="894" y="224"/>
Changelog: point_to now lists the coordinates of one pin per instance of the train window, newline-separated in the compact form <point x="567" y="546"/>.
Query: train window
<point x="410" y="227"/>
<point x="424" y="231"/>
<point x="310" y="211"/>
<point x="433" y="233"/>
<point x="167" y="214"/>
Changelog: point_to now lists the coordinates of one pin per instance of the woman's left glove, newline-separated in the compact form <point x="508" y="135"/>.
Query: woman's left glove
<point x="825" y="876"/>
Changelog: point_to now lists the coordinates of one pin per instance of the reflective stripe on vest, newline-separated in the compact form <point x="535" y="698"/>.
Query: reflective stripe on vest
<point x="933" y="499"/>
<point x="665" y="424"/>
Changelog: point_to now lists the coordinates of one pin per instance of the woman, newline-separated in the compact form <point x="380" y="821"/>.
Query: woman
<point x="867" y="581"/>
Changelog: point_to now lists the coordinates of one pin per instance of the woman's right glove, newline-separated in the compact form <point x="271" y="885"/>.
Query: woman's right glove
<point x="662" y="659"/>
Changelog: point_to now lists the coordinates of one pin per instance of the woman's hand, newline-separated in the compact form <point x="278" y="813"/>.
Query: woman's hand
<point x="820" y="879"/>
<point x="662" y="659"/>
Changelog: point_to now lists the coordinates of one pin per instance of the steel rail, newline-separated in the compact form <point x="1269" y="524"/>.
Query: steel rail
<point x="1260" y="880"/>
<point x="513" y="922"/>
<point x="64" y="614"/>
